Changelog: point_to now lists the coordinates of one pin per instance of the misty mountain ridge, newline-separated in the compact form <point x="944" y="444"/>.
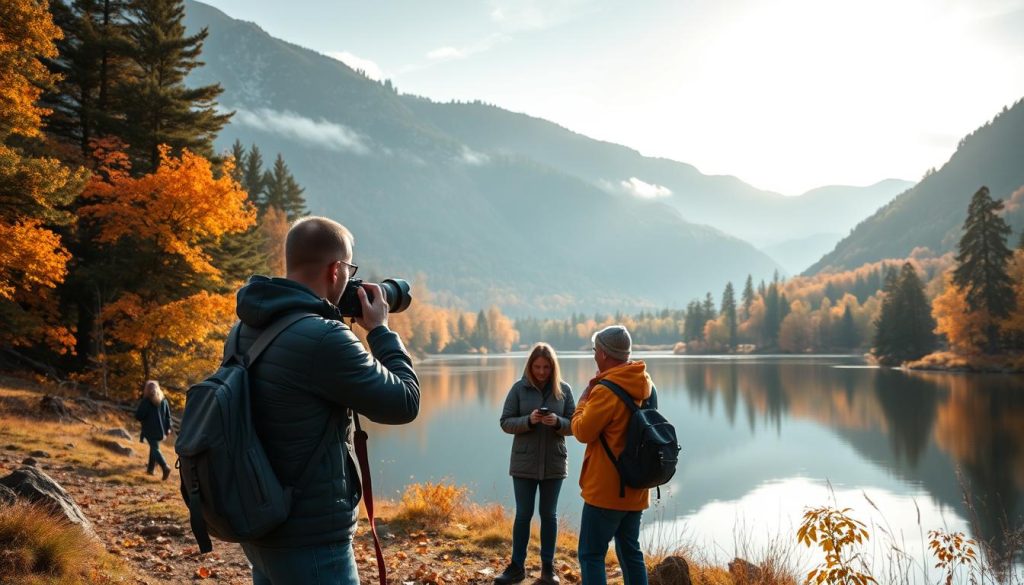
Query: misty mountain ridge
<point x="932" y="213"/>
<point x="534" y="233"/>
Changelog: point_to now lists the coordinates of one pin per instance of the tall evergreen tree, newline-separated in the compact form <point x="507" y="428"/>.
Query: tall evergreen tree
<point x="729" y="311"/>
<point x="283" y="191"/>
<point x="847" y="330"/>
<point x="982" y="260"/>
<point x="748" y="297"/>
<point x="237" y="155"/>
<point x="91" y="65"/>
<point x="252" y="176"/>
<point x="159" y="108"/>
<point x="693" y="326"/>
<point x="904" y="329"/>
<point x="708" y="307"/>
<point x="772" y="317"/>
<point x="482" y="332"/>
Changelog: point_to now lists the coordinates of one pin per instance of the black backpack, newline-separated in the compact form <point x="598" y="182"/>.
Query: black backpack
<point x="652" y="450"/>
<point x="226" y="479"/>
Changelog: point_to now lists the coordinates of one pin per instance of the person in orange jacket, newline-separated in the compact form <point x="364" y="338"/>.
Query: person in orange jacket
<point x="606" y="514"/>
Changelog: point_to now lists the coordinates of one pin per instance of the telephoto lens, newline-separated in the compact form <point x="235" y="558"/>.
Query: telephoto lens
<point x="396" y="291"/>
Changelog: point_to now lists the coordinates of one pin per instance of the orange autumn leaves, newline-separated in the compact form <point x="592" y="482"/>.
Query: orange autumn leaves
<point x="966" y="329"/>
<point x="26" y="33"/>
<point x="179" y="207"/>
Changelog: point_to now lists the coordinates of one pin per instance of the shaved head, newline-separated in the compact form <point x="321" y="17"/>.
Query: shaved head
<point x="314" y="242"/>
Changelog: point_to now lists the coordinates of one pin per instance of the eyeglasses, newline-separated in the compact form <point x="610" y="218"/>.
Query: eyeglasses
<point x="351" y="266"/>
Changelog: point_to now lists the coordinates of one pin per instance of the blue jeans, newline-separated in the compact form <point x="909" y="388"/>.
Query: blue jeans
<point x="327" y="564"/>
<point x="526" y="494"/>
<point x="597" y="527"/>
<point x="155" y="456"/>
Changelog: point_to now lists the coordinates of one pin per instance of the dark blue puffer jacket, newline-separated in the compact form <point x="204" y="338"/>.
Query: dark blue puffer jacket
<point x="315" y="366"/>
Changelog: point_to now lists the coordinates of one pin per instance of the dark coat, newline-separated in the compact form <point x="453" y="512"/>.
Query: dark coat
<point x="314" y="367"/>
<point x="538" y="451"/>
<point x="156" y="420"/>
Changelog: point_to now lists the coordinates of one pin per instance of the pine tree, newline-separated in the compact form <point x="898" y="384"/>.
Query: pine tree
<point x="159" y="108"/>
<point x="772" y="315"/>
<point x="729" y="311"/>
<point x="482" y="332"/>
<point x="283" y="192"/>
<point x="91" y="65"/>
<point x="748" y="297"/>
<point x="981" y="269"/>
<point x="904" y="329"/>
<point x="252" y="176"/>
<point x="708" y="308"/>
<point x="237" y="156"/>
<point x="847" y="330"/>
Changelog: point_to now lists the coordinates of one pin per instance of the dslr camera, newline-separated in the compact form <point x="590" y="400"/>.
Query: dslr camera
<point x="396" y="291"/>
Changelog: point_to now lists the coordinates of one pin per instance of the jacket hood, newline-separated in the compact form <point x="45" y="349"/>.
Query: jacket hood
<point x="632" y="377"/>
<point x="264" y="299"/>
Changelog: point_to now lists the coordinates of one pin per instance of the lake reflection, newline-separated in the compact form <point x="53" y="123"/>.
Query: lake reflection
<point x="762" y="438"/>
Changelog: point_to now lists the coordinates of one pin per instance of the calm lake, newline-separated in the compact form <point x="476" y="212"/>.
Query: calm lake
<point x="763" y="437"/>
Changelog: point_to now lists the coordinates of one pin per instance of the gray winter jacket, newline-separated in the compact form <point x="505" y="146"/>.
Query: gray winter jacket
<point x="314" y="367"/>
<point x="538" y="451"/>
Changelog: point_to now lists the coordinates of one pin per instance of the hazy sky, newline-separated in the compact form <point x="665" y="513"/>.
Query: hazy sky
<point x="785" y="94"/>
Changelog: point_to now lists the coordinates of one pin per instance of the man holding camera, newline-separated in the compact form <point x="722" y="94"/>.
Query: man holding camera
<point x="611" y="510"/>
<point x="303" y="390"/>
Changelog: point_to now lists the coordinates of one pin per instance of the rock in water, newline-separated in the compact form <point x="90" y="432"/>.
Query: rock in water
<point x="33" y="485"/>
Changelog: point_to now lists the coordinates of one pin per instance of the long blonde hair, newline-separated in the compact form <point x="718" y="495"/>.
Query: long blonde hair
<point x="153" y="392"/>
<point x="543" y="350"/>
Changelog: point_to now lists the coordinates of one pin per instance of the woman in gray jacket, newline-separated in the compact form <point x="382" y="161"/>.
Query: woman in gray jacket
<point x="538" y="411"/>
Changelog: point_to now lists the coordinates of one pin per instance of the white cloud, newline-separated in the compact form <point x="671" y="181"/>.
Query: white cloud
<point x="472" y="157"/>
<point x="320" y="132"/>
<point x="446" y="54"/>
<point x="372" y="70"/>
<point x="638" y="188"/>
<point x="534" y="14"/>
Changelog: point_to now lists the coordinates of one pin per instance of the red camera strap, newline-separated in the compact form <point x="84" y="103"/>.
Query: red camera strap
<point x="364" y="467"/>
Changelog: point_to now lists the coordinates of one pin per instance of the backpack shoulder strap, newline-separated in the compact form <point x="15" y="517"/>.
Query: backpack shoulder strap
<point x="623" y="396"/>
<point x="618" y="391"/>
<point x="268" y="335"/>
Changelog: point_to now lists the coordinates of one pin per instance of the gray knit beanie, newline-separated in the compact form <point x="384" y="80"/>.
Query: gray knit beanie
<point x="615" y="341"/>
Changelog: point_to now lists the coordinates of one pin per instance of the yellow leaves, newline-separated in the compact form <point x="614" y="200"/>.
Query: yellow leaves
<point x="834" y="532"/>
<point x="431" y="503"/>
<point x="31" y="257"/>
<point x="27" y="32"/>
<point x="179" y="207"/>
<point x="963" y="328"/>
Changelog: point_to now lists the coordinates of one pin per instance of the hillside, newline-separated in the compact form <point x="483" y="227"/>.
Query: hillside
<point x="527" y="229"/>
<point x="762" y="217"/>
<point x="932" y="213"/>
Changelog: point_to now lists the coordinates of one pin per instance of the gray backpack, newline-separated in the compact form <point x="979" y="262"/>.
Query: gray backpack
<point x="226" y="479"/>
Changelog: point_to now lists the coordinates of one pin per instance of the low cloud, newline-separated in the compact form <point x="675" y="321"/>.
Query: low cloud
<point x="319" y="132"/>
<point x="638" y="188"/>
<point x="517" y="15"/>
<point x="472" y="157"/>
<point x="371" y="69"/>
<point x="446" y="54"/>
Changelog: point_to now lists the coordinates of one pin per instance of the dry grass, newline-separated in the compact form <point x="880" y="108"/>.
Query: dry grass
<point x="947" y="360"/>
<point x="37" y="547"/>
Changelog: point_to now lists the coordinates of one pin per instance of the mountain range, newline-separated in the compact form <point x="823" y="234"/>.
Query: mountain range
<point x="932" y="213"/>
<point x="494" y="207"/>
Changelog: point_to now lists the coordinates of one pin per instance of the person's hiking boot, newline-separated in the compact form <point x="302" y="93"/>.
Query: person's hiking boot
<point x="167" y="473"/>
<point x="149" y="471"/>
<point x="513" y="574"/>
<point x="548" y="574"/>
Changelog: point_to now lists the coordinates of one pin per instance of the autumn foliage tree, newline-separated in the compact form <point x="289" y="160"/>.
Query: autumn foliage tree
<point x="34" y="190"/>
<point x="171" y="300"/>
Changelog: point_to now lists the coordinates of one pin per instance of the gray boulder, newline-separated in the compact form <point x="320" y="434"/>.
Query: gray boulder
<point x="7" y="496"/>
<point x="35" y="486"/>
<point x="112" y="446"/>
<point x="118" y="432"/>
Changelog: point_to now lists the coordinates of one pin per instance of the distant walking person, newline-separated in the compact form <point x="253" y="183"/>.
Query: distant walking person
<point x="155" y="415"/>
<point x="608" y="513"/>
<point x="538" y="411"/>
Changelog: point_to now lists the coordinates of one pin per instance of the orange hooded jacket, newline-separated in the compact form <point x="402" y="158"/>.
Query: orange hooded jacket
<point x="601" y="412"/>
